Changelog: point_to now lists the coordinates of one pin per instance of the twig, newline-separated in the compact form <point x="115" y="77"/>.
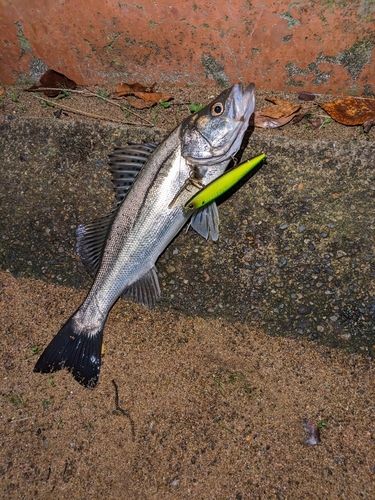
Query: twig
<point x="120" y="106"/>
<point x="19" y="420"/>
<point x="89" y="93"/>
<point x="86" y="113"/>
<point x="225" y="427"/>
<point x="124" y="412"/>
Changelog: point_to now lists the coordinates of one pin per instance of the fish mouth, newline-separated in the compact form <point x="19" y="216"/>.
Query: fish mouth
<point x="243" y="99"/>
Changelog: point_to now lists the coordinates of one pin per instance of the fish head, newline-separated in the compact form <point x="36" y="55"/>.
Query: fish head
<point x="215" y="133"/>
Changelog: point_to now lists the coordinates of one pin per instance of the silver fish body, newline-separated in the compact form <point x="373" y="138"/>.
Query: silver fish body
<point x="148" y="218"/>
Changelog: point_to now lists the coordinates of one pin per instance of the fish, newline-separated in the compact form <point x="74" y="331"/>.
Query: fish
<point x="152" y="182"/>
<point x="222" y="184"/>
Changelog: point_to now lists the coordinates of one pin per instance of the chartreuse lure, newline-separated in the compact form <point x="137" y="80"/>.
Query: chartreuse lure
<point x="222" y="184"/>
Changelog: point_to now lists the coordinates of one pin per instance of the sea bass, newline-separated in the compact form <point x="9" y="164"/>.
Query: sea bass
<point x="153" y="184"/>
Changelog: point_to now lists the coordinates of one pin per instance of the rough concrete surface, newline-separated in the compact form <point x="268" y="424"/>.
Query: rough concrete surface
<point x="208" y="397"/>
<point x="296" y="251"/>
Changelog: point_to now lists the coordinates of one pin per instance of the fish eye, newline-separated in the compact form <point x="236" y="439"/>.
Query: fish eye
<point x="191" y="206"/>
<point x="217" y="109"/>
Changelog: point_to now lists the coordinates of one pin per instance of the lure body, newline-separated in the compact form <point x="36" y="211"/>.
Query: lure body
<point x="222" y="184"/>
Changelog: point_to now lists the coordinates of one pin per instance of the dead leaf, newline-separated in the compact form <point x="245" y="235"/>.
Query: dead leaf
<point x="124" y="89"/>
<point x="367" y="125"/>
<point x="298" y="117"/>
<point x="312" y="432"/>
<point x="306" y="96"/>
<point x="2" y="90"/>
<point x="147" y="94"/>
<point x="314" y="124"/>
<point x="335" y="196"/>
<point x="281" y="108"/>
<point x="351" y="110"/>
<point x="138" y="103"/>
<point x="52" y="79"/>
<point x="266" y="122"/>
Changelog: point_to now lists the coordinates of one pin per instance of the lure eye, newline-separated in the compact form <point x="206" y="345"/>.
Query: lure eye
<point x="191" y="206"/>
<point x="217" y="109"/>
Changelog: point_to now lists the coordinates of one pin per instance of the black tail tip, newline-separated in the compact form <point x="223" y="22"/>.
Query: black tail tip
<point x="80" y="353"/>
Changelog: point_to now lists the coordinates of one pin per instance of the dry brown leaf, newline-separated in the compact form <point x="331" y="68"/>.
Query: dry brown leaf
<point x="135" y="87"/>
<point x="281" y="108"/>
<point x="138" y="103"/>
<point x="153" y="97"/>
<point x="367" y="125"/>
<point x="147" y="94"/>
<point x="306" y="96"/>
<point x="335" y="196"/>
<point x="312" y="432"/>
<point x="351" y="110"/>
<point x="52" y="79"/>
<point x="129" y="88"/>
<point x="266" y="122"/>
<point x="2" y="90"/>
<point x="298" y="117"/>
<point x="314" y="124"/>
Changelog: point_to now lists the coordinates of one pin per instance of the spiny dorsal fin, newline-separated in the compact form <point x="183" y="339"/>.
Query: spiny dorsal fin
<point x="125" y="164"/>
<point x="146" y="290"/>
<point x="205" y="221"/>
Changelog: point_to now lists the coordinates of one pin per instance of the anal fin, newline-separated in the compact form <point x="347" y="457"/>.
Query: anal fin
<point x="91" y="239"/>
<point x="146" y="290"/>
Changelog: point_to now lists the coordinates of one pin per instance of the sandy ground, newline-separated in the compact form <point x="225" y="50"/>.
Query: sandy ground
<point x="205" y="410"/>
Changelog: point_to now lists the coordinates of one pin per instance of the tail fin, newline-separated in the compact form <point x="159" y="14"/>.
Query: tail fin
<point x="79" y="352"/>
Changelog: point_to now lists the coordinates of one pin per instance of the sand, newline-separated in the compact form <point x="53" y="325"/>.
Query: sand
<point x="186" y="407"/>
<point x="205" y="409"/>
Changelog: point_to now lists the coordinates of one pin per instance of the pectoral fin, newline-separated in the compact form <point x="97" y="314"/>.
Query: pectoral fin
<point x="205" y="221"/>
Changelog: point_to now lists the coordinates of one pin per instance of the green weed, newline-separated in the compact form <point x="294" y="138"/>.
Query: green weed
<point x="14" y="95"/>
<point x="194" y="108"/>
<point x="102" y="95"/>
<point x="164" y="103"/>
<point x="326" y="122"/>
<point x="15" y="400"/>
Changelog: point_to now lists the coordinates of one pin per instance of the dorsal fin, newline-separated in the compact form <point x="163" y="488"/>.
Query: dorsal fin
<point x="146" y="290"/>
<point x="125" y="164"/>
<point x="205" y="221"/>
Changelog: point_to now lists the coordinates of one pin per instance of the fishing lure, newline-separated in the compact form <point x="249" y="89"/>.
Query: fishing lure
<point x="222" y="184"/>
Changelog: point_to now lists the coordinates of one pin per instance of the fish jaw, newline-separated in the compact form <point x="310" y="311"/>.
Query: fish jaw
<point x="209" y="137"/>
